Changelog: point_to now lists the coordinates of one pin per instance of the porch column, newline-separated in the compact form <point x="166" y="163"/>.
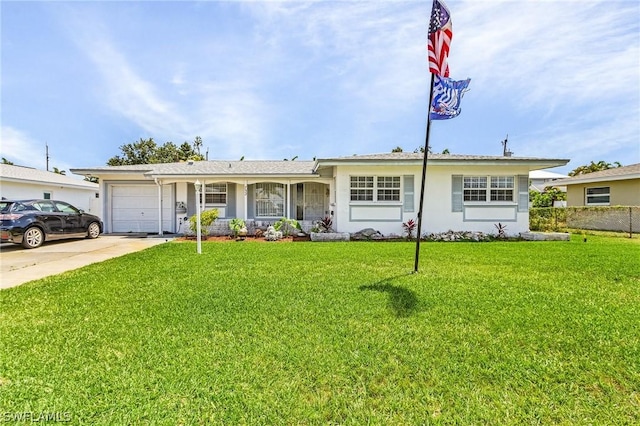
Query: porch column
<point x="204" y="198"/>
<point x="159" y="184"/>
<point x="333" y="208"/>
<point x="288" y="213"/>
<point x="246" y="202"/>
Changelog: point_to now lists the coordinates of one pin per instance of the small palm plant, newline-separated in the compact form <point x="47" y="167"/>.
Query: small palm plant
<point x="326" y="224"/>
<point x="409" y="227"/>
<point x="502" y="231"/>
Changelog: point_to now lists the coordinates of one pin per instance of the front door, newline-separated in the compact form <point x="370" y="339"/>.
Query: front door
<point x="314" y="201"/>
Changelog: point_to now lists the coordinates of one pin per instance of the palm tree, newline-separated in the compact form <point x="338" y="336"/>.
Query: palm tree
<point x="594" y="167"/>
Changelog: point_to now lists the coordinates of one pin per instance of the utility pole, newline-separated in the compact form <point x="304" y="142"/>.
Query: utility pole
<point x="47" y="154"/>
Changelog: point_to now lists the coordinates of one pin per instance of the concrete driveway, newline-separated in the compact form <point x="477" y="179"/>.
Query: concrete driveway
<point x="19" y="265"/>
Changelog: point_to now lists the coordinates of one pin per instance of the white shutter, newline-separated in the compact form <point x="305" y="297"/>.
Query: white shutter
<point x="456" y="193"/>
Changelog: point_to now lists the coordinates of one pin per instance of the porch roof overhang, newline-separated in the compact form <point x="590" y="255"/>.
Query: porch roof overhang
<point x="416" y="159"/>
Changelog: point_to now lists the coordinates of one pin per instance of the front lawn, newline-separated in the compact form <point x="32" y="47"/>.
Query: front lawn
<point x="332" y="333"/>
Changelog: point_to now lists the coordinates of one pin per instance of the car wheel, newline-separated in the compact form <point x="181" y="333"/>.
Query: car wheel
<point x="32" y="238"/>
<point x="93" y="231"/>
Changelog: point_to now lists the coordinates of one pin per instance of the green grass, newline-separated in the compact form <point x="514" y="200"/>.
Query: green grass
<point x="332" y="333"/>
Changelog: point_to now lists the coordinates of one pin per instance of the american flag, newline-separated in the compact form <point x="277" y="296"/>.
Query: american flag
<point x="440" y="33"/>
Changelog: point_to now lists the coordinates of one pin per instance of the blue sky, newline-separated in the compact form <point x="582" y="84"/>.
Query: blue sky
<point x="274" y="80"/>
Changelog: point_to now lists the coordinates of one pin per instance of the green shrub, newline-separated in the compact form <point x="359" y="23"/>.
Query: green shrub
<point x="236" y="224"/>
<point x="287" y="226"/>
<point x="207" y="217"/>
<point x="547" y="218"/>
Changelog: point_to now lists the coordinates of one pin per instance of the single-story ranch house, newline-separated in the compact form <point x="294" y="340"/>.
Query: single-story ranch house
<point x="619" y="186"/>
<point x="380" y="191"/>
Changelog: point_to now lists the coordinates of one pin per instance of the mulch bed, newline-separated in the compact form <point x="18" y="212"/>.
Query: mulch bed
<point x="229" y="239"/>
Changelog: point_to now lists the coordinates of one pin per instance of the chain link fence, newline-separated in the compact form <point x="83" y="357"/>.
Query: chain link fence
<point x="616" y="219"/>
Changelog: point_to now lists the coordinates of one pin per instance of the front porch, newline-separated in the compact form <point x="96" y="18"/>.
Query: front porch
<point x="258" y="203"/>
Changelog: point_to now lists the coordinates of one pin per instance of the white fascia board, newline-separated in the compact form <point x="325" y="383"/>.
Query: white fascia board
<point x="229" y="176"/>
<point x="532" y="164"/>
<point x="587" y="179"/>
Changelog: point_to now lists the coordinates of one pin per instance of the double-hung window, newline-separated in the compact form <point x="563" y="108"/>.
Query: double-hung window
<point x="502" y="188"/>
<point x="388" y="188"/>
<point x="361" y="188"/>
<point x="488" y="188"/>
<point x="475" y="188"/>
<point x="375" y="188"/>
<point x="600" y="196"/>
<point x="215" y="193"/>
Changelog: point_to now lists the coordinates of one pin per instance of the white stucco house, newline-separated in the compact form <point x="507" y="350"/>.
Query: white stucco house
<point x="380" y="191"/>
<point x="540" y="179"/>
<point x="22" y="183"/>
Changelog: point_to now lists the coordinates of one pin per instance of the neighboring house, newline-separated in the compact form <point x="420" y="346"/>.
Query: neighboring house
<point x="540" y="179"/>
<point x="619" y="186"/>
<point x="381" y="191"/>
<point x="22" y="183"/>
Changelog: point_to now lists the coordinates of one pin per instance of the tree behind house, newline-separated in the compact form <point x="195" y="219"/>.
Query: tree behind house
<point x="146" y="151"/>
<point x="594" y="167"/>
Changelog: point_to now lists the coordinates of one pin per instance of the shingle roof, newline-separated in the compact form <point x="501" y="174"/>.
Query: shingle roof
<point x="417" y="156"/>
<point x="292" y="168"/>
<point x="27" y="174"/>
<point x="215" y="167"/>
<point x="631" y="171"/>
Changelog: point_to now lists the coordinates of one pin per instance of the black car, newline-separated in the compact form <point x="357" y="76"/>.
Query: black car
<point x="32" y="222"/>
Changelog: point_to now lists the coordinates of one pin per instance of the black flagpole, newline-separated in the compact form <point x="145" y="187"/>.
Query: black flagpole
<point x="424" y="176"/>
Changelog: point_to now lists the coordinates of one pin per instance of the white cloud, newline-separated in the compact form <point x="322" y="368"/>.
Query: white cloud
<point x="228" y="114"/>
<point x="342" y="73"/>
<point x="550" y="51"/>
<point x="22" y="150"/>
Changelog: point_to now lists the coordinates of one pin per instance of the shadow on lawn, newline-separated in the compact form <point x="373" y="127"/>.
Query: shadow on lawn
<point x="404" y="302"/>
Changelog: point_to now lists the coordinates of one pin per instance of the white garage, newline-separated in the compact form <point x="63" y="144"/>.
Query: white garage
<point x="134" y="208"/>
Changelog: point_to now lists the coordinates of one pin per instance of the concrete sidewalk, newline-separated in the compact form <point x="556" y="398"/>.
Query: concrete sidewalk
<point x="19" y="265"/>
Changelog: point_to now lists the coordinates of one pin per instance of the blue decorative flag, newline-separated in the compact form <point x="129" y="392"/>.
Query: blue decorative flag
<point x="447" y="94"/>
